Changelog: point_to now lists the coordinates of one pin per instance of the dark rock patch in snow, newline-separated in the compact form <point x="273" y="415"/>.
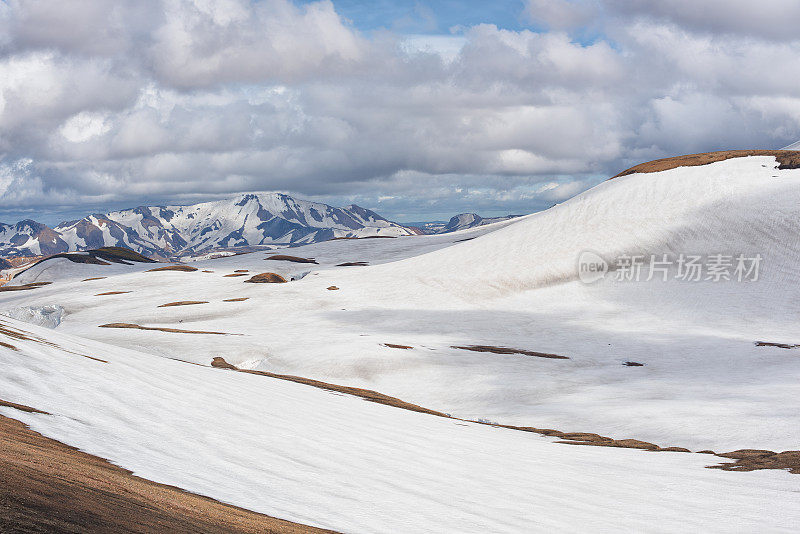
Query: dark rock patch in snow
<point x="295" y="259"/>
<point x="779" y="345"/>
<point x="183" y="268"/>
<point x="507" y="350"/>
<point x="24" y="287"/>
<point x="266" y="278"/>
<point x="162" y="329"/>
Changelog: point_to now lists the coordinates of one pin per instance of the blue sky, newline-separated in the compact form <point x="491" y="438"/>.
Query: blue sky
<point x="431" y="17"/>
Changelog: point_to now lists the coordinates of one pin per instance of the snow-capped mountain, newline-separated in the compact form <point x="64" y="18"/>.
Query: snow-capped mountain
<point x="170" y="231"/>
<point x="463" y="221"/>
<point x="30" y="238"/>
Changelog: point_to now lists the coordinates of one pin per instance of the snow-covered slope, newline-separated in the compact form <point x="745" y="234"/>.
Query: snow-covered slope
<point x="331" y="460"/>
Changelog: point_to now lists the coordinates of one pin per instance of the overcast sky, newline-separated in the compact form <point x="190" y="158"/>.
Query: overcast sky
<point x="416" y="109"/>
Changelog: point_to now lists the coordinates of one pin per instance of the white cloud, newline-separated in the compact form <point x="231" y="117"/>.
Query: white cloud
<point x="171" y="99"/>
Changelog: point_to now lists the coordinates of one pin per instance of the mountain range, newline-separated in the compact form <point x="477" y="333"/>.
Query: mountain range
<point x="248" y="220"/>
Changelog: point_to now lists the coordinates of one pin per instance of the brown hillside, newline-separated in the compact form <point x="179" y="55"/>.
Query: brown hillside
<point x="787" y="159"/>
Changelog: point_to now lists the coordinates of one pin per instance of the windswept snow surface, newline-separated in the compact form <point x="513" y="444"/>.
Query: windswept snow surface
<point x="704" y="383"/>
<point x="336" y="461"/>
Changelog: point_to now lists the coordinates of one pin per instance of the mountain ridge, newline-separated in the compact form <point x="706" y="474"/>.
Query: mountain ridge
<point x="245" y="220"/>
<point x="250" y="219"/>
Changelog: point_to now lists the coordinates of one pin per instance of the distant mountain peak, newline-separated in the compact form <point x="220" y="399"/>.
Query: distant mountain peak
<point x="249" y="219"/>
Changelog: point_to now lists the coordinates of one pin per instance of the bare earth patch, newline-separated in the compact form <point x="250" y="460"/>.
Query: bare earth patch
<point x="163" y="329"/>
<point x="787" y="159"/>
<point x="332" y="288"/>
<point x="234" y="275"/>
<point x="353" y="264"/>
<point x="752" y="460"/>
<point x="14" y="333"/>
<point x="267" y="278"/>
<point x="506" y="350"/>
<point x="779" y="345"/>
<point x="295" y="259"/>
<point x="395" y="346"/>
<point x="112" y="293"/>
<point x="183" y="303"/>
<point x="24" y="287"/>
<point x="220" y="363"/>
<point x="183" y="268"/>
<point x="367" y="394"/>
<point x="241" y="271"/>
<point x="240" y="299"/>
<point x="51" y="487"/>
<point x="95" y="278"/>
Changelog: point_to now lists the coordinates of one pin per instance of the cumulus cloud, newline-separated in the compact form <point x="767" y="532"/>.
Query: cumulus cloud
<point x="183" y="100"/>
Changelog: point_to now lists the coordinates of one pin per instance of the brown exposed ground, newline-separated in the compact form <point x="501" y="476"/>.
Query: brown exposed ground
<point x="787" y="159"/>
<point x="183" y="303"/>
<point x="207" y="271"/>
<point x="241" y="271"/>
<point x="220" y="363"/>
<point x="295" y="259"/>
<point x="506" y="350"/>
<point x="779" y="345"/>
<point x="366" y="237"/>
<point x="14" y="333"/>
<point x="160" y="329"/>
<point x="21" y="407"/>
<point x="394" y="346"/>
<point x="332" y="288"/>
<point x="112" y="293"/>
<point x="367" y="394"/>
<point x="184" y="268"/>
<point x="353" y="264"/>
<point x="24" y="287"/>
<point x="240" y="299"/>
<point x="50" y="487"/>
<point x="234" y="275"/>
<point x="752" y="460"/>
<point x="267" y="278"/>
<point x="95" y="278"/>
